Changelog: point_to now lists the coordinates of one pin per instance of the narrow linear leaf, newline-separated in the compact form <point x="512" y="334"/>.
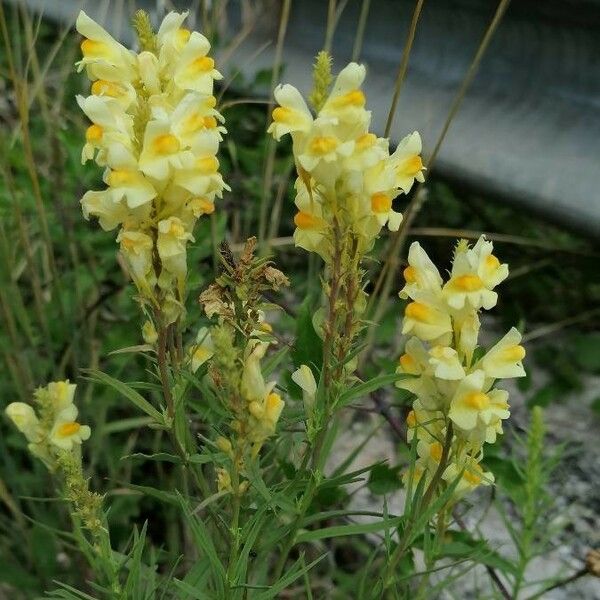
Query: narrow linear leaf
<point x="343" y="530"/>
<point x="158" y="457"/>
<point x="364" y="389"/>
<point x="128" y="392"/>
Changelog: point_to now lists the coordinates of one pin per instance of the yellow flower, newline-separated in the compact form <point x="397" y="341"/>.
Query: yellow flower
<point x="378" y="186"/>
<point x="427" y="319"/>
<point x="475" y="407"/>
<point x="466" y="331"/>
<point x="369" y="150"/>
<point x="323" y="148"/>
<point x="427" y="425"/>
<point x="24" y="418"/>
<point x="446" y="363"/>
<point x="149" y="69"/>
<point x="505" y="359"/>
<point x="130" y="185"/>
<point x="103" y="56"/>
<point x="202" y="350"/>
<point x="101" y="204"/>
<point x="171" y="39"/>
<point x="406" y="162"/>
<point x="311" y="227"/>
<point x="471" y="476"/>
<point x="149" y="333"/>
<point x="122" y="93"/>
<point x="109" y="134"/>
<point x="253" y="383"/>
<point x="292" y="115"/>
<point x="162" y="151"/>
<point x="194" y="70"/>
<point x="273" y="407"/>
<point x="475" y="272"/>
<point x="430" y="454"/>
<point x="66" y="431"/>
<point x="171" y="244"/>
<point x="346" y="104"/>
<point x="196" y="123"/>
<point x="304" y="378"/>
<point x="137" y="250"/>
<point x="421" y="275"/>
<point x="201" y="176"/>
<point x="61" y="394"/>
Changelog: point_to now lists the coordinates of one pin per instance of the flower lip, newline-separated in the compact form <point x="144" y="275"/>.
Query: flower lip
<point x="410" y="274"/>
<point x="381" y="203"/>
<point x="101" y="87"/>
<point x="411" y="166"/>
<point x="281" y="114"/>
<point x="94" y="49"/>
<point x="166" y="143"/>
<point x="323" y="144"/>
<point x="202" y="64"/>
<point x="418" y="311"/>
<point x="351" y="98"/>
<point x="68" y="429"/>
<point x="304" y="220"/>
<point x="477" y="400"/>
<point x="435" y="451"/>
<point x="468" y="283"/>
<point x="514" y="353"/>
<point x="94" y="133"/>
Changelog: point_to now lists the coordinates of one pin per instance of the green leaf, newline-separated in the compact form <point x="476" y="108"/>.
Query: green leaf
<point x="137" y="571"/>
<point x="126" y="424"/>
<point x="191" y="591"/>
<point x="293" y="573"/>
<point x="344" y="530"/>
<point x="167" y="497"/>
<point x="205" y="545"/>
<point x="463" y="545"/>
<point x="508" y="477"/>
<point x="308" y="348"/>
<point x="128" y="392"/>
<point x="158" y="457"/>
<point x="367" y="387"/>
<point x="201" y="459"/>
<point x="384" y="479"/>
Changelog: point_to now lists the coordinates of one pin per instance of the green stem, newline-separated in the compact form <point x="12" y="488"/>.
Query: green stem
<point x="423" y="505"/>
<point x="235" y="537"/>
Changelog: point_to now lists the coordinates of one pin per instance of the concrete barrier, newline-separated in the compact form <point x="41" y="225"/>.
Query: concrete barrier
<point x="528" y="131"/>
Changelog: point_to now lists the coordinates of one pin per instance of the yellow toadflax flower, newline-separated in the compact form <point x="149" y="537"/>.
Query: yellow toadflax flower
<point x="25" y="420"/>
<point x="66" y="431"/>
<point x="303" y="377"/>
<point x="52" y="428"/>
<point x="202" y="350"/>
<point x="346" y="176"/>
<point x="454" y="392"/>
<point x="156" y="131"/>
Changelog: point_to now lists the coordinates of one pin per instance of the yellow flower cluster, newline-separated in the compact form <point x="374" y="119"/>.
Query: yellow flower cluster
<point x="452" y="379"/>
<point x="345" y="173"/>
<point x="54" y="427"/>
<point x="255" y="409"/>
<point x="264" y="405"/>
<point x="156" y="132"/>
